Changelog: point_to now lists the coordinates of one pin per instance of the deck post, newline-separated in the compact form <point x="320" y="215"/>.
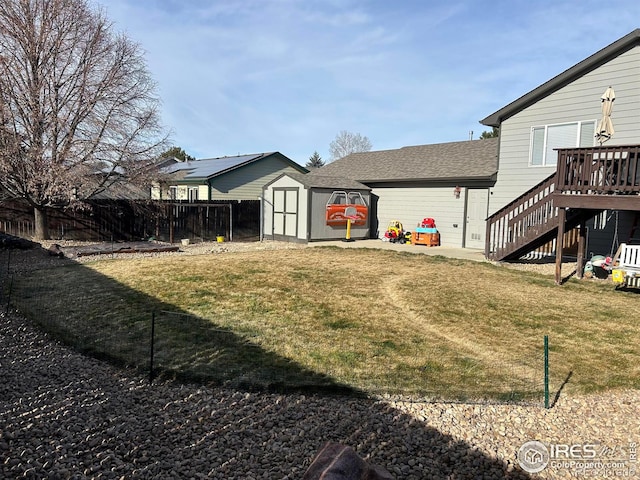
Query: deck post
<point x="562" y="216"/>
<point x="487" y="240"/>
<point x="582" y="249"/>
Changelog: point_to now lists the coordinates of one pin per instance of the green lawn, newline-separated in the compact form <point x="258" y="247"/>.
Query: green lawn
<point x="371" y="320"/>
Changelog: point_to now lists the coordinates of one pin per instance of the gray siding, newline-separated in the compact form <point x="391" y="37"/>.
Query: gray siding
<point x="411" y="205"/>
<point x="578" y="101"/>
<point x="246" y="183"/>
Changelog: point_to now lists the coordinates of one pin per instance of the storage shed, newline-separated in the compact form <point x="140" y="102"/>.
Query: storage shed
<point x="306" y="208"/>
<point x="450" y="182"/>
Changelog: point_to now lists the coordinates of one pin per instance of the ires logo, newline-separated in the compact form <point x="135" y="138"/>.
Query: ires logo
<point x="534" y="456"/>
<point x="583" y="452"/>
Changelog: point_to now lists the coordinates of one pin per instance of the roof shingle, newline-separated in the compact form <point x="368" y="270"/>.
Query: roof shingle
<point x="318" y="180"/>
<point x="470" y="160"/>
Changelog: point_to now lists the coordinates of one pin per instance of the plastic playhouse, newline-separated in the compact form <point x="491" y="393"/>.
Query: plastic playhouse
<point x="343" y="206"/>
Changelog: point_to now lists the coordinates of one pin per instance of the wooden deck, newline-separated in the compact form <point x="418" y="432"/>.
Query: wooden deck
<point x="599" y="177"/>
<point x="587" y="181"/>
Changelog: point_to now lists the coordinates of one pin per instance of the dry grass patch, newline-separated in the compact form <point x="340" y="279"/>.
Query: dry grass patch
<point x="375" y="320"/>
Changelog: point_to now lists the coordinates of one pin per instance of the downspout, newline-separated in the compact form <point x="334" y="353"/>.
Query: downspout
<point x="260" y="197"/>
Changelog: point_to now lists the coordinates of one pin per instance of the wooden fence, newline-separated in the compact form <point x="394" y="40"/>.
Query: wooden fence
<point x="121" y="220"/>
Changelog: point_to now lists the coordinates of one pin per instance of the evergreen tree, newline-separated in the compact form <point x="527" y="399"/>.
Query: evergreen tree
<point x="492" y="134"/>
<point x="178" y="153"/>
<point x="315" y="161"/>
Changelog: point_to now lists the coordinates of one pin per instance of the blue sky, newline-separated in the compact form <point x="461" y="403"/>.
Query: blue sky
<point x="248" y="76"/>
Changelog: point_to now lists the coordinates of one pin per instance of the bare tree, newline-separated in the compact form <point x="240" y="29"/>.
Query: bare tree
<point x="78" y="108"/>
<point x="346" y="143"/>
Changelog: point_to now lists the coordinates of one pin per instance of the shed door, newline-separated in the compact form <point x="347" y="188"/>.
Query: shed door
<point x="477" y="209"/>
<point x="285" y="212"/>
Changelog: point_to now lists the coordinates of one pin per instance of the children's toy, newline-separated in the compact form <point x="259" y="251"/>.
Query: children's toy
<point x="394" y="232"/>
<point x="428" y="223"/>
<point x="343" y="206"/>
<point x="426" y="233"/>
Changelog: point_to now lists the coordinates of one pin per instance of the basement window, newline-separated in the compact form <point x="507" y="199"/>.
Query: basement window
<point x="564" y="135"/>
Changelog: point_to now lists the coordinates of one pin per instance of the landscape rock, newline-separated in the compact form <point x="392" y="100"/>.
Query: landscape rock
<point x="91" y="420"/>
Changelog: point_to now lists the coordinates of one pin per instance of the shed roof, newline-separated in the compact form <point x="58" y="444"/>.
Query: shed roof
<point x="556" y="83"/>
<point x="468" y="160"/>
<point x="207" y="168"/>
<point x="317" y="180"/>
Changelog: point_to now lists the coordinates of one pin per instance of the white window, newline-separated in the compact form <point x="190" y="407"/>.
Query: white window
<point x="173" y="193"/>
<point x="564" y="135"/>
<point x="193" y="194"/>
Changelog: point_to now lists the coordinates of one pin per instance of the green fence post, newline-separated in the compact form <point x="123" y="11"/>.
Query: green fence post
<point x="546" y="371"/>
<point x="153" y="331"/>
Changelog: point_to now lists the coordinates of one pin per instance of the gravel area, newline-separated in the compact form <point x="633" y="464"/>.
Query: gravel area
<point x="63" y="415"/>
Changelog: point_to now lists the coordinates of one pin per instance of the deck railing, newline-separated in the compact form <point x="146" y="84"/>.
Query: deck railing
<point x="599" y="170"/>
<point x="523" y="219"/>
<point x="531" y="219"/>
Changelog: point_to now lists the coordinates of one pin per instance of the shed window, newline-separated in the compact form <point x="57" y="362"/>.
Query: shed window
<point x="338" y="198"/>
<point x="566" y="135"/>
<point x="355" y="198"/>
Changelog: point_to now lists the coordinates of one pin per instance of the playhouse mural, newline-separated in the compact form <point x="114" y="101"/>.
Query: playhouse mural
<point x="343" y="206"/>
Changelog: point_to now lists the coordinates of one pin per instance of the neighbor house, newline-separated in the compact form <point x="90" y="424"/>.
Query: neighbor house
<point x="449" y="182"/>
<point x="553" y="173"/>
<point x="223" y="178"/>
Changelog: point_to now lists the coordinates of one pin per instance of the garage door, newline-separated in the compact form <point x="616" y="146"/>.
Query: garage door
<point x="285" y="212"/>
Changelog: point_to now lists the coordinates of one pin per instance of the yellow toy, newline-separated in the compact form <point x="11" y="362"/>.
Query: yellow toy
<point x="394" y="231"/>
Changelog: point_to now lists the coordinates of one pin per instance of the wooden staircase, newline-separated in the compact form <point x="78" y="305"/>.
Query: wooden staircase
<point x="587" y="182"/>
<point x="529" y="222"/>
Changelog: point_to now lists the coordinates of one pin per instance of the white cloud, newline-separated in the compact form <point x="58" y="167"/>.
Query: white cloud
<point x="288" y="75"/>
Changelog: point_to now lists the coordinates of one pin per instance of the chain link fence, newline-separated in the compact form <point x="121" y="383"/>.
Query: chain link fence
<point x="112" y="322"/>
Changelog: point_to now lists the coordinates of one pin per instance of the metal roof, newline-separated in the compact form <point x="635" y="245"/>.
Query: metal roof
<point x="556" y="83"/>
<point x="468" y="160"/>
